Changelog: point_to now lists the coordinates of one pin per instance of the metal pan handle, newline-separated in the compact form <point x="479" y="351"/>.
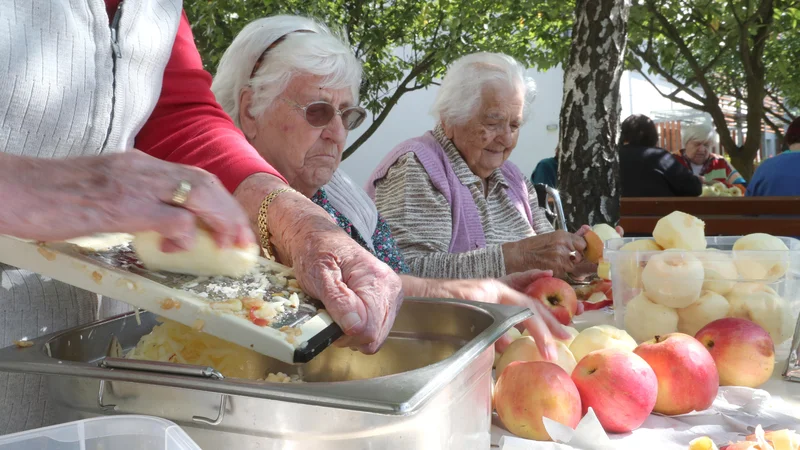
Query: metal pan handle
<point x="167" y="368"/>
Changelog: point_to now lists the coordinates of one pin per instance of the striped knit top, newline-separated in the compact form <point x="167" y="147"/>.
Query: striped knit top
<point x="421" y="220"/>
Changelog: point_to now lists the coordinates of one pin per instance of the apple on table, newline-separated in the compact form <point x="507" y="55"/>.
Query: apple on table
<point x="557" y="295"/>
<point x="743" y="351"/>
<point x="619" y="386"/>
<point x="528" y="391"/>
<point x="687" y="375"/>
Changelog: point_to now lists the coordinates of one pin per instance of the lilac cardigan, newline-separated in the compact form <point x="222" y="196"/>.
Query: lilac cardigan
<point x="467" y="233"/>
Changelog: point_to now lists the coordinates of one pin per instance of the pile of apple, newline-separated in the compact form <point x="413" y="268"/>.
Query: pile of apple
<point x="720" y="189"/>
<point x="602" y="367"/>
<point x="683" y="285"/>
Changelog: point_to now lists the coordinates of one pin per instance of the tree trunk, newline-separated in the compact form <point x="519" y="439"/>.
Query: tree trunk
<point x="743" y="161"/>
<point x="588" y="162"/>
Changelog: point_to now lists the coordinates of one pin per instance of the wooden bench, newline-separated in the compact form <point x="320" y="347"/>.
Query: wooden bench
<point x="724" y="216"/>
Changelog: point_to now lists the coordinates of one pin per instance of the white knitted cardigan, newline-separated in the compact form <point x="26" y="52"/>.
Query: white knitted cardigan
<point x="62" y="94"/>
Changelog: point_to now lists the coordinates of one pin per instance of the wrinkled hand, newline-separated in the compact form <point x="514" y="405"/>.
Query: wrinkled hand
<point x="585" y="268"/>
<point x="361" y="293"/>
<point x="507" y="291"/>
<point x="558" y="251"/>
<point x="126" y="193"/>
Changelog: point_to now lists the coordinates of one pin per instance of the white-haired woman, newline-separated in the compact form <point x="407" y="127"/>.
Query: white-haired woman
<point x="291" y="85"/>
<point x="698" y="140"/>
<point x="456" y="206"/>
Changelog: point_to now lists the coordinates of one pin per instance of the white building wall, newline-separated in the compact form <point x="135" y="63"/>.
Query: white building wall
<point x="410" y="118"/>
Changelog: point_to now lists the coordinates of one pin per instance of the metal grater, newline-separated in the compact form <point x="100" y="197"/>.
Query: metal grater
<point x="300" y="330"/>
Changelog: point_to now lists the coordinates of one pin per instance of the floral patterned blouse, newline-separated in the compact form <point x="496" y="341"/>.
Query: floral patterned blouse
<point x="385" y="247"/>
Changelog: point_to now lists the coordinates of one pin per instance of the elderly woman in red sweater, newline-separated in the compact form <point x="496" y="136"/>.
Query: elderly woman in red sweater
<point x="698" y="140"/>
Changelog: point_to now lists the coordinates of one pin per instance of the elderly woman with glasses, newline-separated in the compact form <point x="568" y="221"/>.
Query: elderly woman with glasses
<point x="456" y="206"/>
<point x="698" y="140"/>
<point x="291" y="85"/>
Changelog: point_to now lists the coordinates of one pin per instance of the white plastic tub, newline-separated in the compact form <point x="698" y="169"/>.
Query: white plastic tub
<point x="776" y="311"/>
<point x="104" y="433"/>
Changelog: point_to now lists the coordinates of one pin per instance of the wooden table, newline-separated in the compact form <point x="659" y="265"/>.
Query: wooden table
<point x="724" y="216"/>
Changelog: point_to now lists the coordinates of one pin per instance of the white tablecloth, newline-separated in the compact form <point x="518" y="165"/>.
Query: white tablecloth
<point x="735" y="413"/>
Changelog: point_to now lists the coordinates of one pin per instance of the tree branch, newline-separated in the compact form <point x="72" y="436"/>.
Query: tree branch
<point x="786" y="110"/>
<point x="668" y="76"/>
<point x="776" y="129"/>
<point x="674" y="95"/>
<point x="424" y="65"/>
<point x="711" y="101"/>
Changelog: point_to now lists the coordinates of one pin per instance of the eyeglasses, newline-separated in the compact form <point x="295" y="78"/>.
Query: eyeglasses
<point x="320" y="113"/>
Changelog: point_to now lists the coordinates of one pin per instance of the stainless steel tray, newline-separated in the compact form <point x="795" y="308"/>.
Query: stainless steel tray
<point x="398" y="378"/>
<point x="429" y="387"/>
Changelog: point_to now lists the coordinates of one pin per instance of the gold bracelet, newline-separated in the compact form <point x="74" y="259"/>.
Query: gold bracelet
<point x="263" y="229"/>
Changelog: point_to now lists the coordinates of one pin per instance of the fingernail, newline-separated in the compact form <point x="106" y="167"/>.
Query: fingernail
<point x="350" y="320"/>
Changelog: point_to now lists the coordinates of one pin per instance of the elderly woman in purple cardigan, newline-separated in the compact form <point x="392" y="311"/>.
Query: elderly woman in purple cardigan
<point x="456" y="207"/>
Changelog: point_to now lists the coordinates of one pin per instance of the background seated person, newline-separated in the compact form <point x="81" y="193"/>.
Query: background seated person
<point x="696" y="155"/>
<point x="456" y="206"/>
<point x="779" y="176"/>
<point x="647" y="170"/>
<point x="546" y="172"/>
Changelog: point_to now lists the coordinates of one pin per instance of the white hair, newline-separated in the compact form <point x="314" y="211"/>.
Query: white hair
<point x="321" y="53"/>
<point x="459" y="96"/>
<point x="696" y="132"/>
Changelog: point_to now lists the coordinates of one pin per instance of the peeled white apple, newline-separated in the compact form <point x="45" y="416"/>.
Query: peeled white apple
<point x="604" y="269"/>
<point x="572" y="333"/>
<point x="733" y="191"/>
<point x="762" y="305"/>
<point x="680" y="230"/>
<point x="708" y="308"/>
<point x="719" y="270"/>
<point x="525" y="349"/>
<point x="673" y="278"/>
<point x="605" y="231"/>
<point x="645" y="319"/>
<point x="513" y="333"/>
<point x="631" y="266"/>
<point x="767" y="262"/>
<point x="599" y="337"/>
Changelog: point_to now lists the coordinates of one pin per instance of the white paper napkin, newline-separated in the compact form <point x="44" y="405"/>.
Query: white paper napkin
<point x="735" y="413"/>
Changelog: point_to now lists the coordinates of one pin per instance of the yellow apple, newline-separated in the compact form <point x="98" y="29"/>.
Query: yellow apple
<point x="525" y="349"/>
<point x="572" y="333"/>
<point x="599" y="337"/>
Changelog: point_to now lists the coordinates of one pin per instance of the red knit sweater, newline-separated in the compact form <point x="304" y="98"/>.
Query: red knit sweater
<point x="188" y="126"/>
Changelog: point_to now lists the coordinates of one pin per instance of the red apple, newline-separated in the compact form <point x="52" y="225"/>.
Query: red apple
<point x="620" y="386"/>
<point x="557" y="295"/>
<point x="743" y="351"/>
<point x="687" y="376"/>
<point x="528" y="391"/>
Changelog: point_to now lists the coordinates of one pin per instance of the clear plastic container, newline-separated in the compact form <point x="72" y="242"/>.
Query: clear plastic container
<point x="104" y="433"/>
<point x="656" y="291"/>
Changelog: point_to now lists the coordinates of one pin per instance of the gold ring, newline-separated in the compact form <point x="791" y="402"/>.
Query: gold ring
<point x="181" y="194"/>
